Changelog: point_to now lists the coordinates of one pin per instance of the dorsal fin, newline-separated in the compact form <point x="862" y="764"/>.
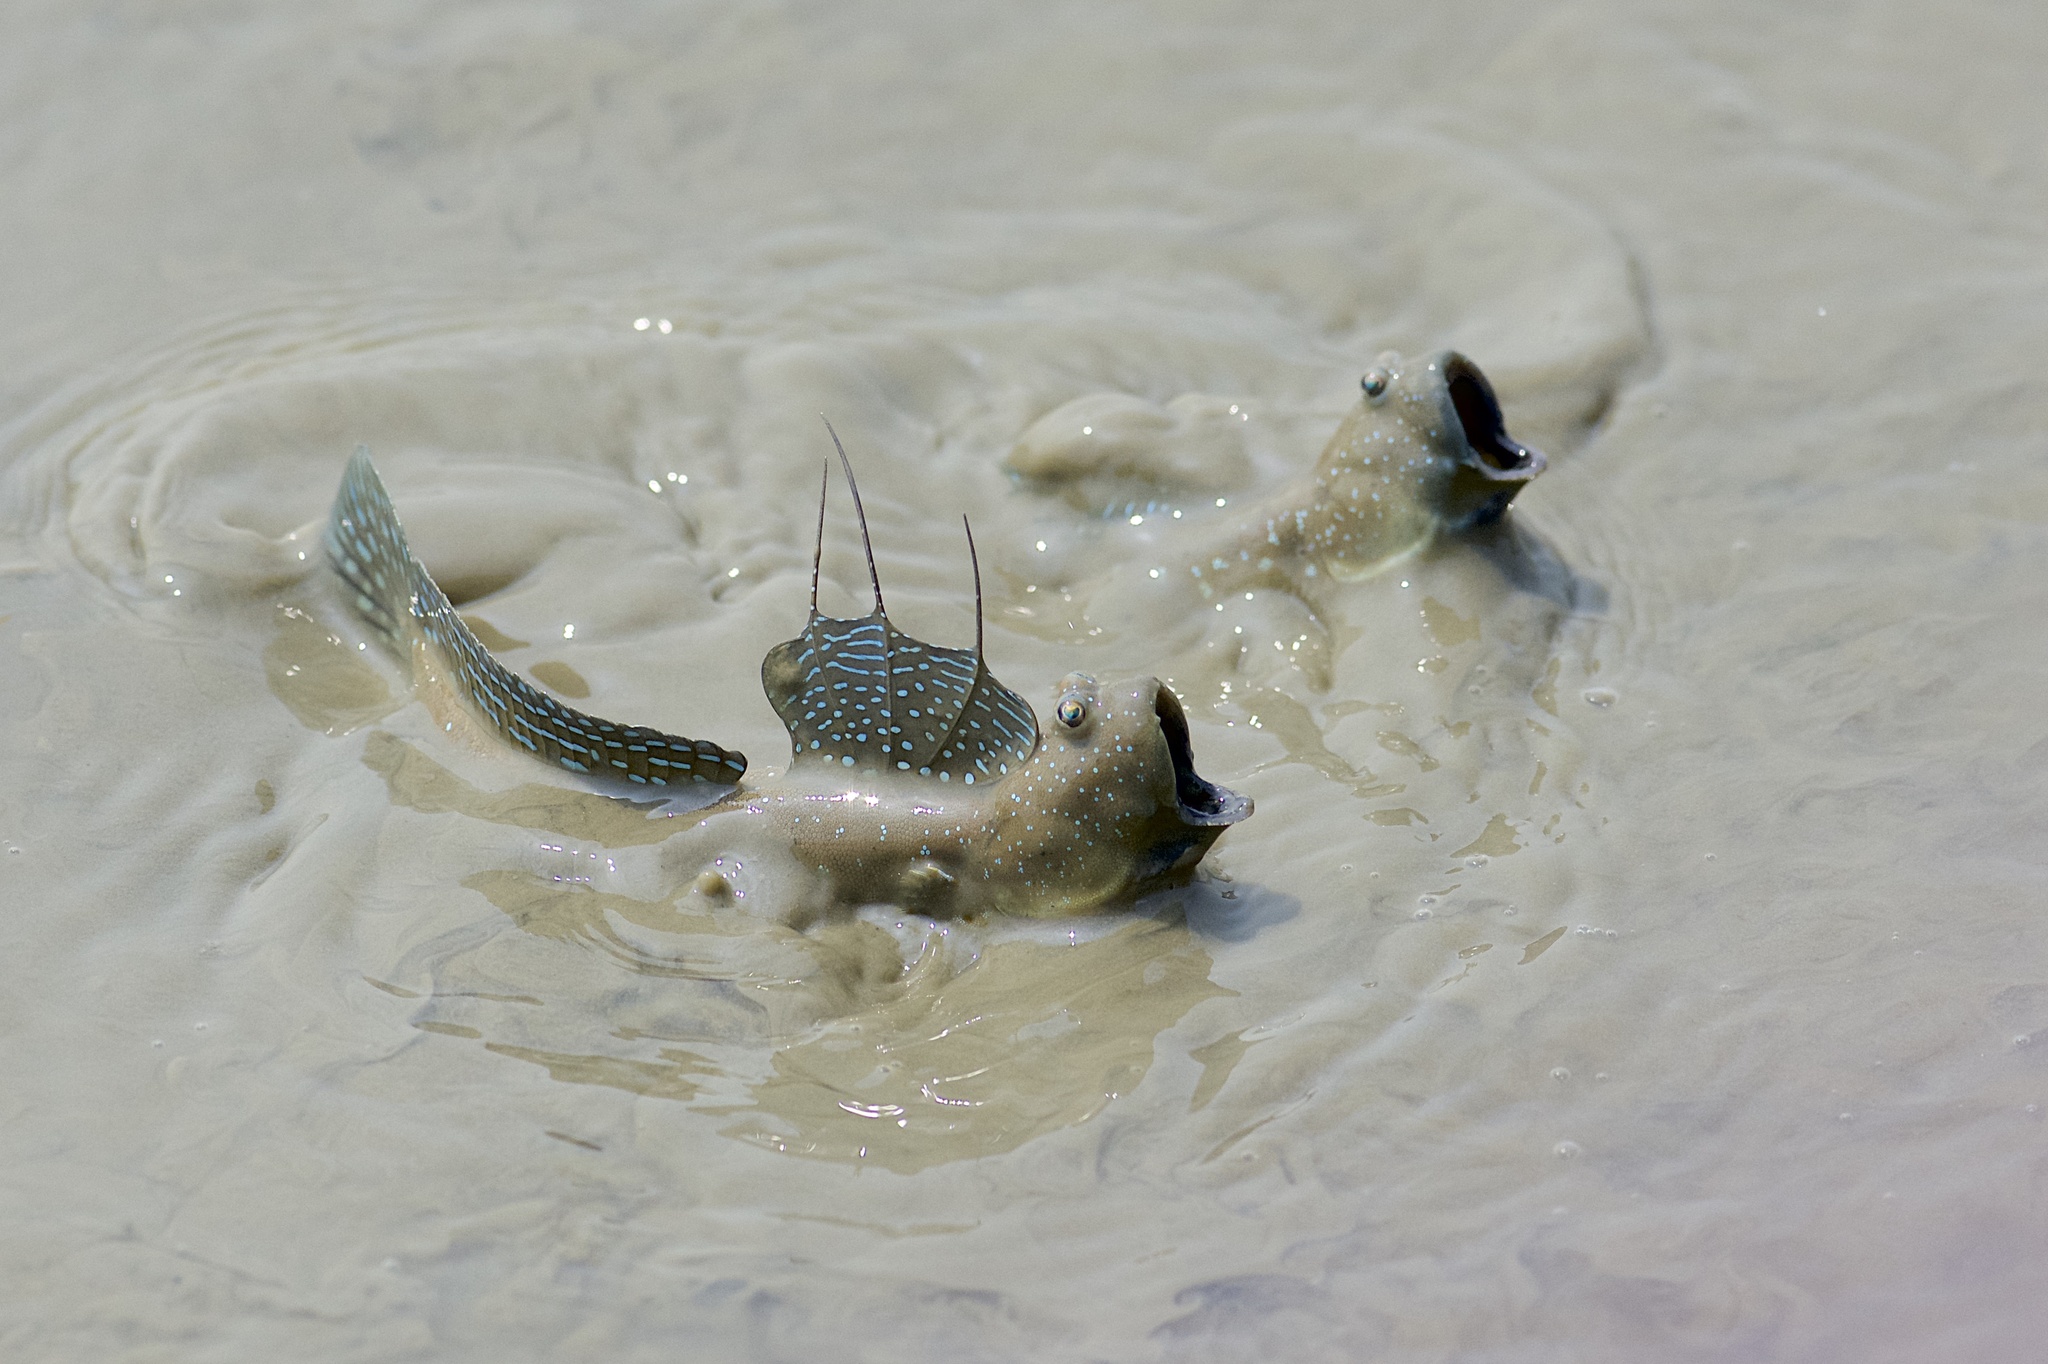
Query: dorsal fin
<point x="862" y="695"/>
<point x="818" y="554"/>
<point x="974" y="562"/>
<point x="860" y="514"/>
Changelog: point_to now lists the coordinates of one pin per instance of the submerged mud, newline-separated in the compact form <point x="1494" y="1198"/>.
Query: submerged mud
<point x="1636" y="952"/>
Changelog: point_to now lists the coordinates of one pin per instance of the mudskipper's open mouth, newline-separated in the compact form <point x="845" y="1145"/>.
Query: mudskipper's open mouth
<point x="1501" y="456"/>
<point x="1202" y="803"/>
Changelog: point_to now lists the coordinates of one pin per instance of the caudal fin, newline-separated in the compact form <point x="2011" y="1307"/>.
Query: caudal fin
<point x="389" y="588"/>
<point x="367" y="548"/>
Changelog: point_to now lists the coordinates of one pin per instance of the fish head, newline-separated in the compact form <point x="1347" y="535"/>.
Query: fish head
<point x="1445" y="404"/>
<point x="1110" y="807"/>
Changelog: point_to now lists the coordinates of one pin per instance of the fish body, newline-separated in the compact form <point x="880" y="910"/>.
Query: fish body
<point x="1102" y="810"/>
<point x="916" y="778"/>
<point x="1425" y="451"/>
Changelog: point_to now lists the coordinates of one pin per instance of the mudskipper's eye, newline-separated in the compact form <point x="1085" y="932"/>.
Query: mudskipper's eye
<point x="1375" y="382"/>
<point x="1071" y="712"/>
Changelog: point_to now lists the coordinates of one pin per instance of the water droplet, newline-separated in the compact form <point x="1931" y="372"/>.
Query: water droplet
<point x="641" y="324"/>
<point x="2022" y="1040"/>
<point x="1476" y="860"/>
<point x="1845" y="1117"/>
<point x="1560" y="1073"/>
<point x="1425" y="914"/>
<point x="1565" y="1150"/>
<point x="1602" y="697"/>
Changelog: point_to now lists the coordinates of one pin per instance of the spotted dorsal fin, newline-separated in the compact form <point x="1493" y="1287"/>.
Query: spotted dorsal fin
<point x="862" y="696"/>
<point x="399" y="599"/>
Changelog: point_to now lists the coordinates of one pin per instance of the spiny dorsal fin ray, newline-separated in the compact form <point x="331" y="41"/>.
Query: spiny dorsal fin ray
<point x="860" y="514"/>
<point x="818" y="554"/>
<point x="388" y="588"/>
<point x="974" y="563"/>
<point x="860" y="695"/>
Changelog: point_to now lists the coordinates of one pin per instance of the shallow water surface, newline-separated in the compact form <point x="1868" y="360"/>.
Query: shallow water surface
<point x="1638" y="948"/>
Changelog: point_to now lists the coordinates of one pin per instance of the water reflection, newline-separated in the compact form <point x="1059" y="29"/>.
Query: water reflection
<point x="319" y="677"/>
<point x="419" y="783"/>
<point x="1530" y="563"/>
<point x="1034" y="1037"/>
<point x="899" y="1041"/>
<point x="902" y="1064"/>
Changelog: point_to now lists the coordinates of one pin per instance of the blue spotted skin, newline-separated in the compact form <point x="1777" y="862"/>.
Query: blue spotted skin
<point x="1424" y="451"/>
<point x="862" y="696"/>
<point x="916" y="778"/>
<point x="399" y="600"/>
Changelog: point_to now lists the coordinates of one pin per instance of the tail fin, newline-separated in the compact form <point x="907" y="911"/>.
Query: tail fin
<point x="367" y="547"/>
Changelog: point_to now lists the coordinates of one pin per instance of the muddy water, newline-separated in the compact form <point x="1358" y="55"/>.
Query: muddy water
<point x="1638" y="951"/>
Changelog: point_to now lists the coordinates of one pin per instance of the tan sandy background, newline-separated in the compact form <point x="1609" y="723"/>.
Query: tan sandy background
<point x="1639" y="951"/>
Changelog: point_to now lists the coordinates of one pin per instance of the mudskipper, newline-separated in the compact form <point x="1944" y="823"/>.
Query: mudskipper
<point x="915" y="778"/>
<point x="1425" y="451"/>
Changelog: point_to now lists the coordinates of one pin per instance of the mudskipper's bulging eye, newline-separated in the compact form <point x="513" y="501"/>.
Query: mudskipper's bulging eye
<point x="1375" y="382"/>
<point x="1071" y="712"/>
